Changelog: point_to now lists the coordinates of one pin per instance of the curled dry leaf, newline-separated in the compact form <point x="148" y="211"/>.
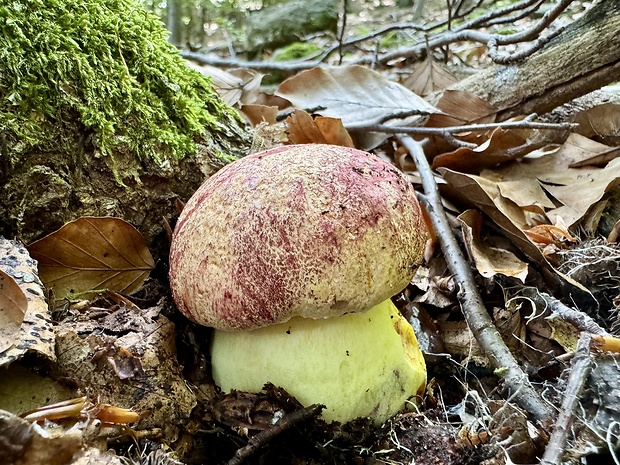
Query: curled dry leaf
<point x="234" y="86"/>
<point x="258" y="114"/>
<point x="485" y="195"/>
<point x="578" y="189"/>
<point x="601" y="123"/>
<point x="91" y="254"/>
<point x="13" y="306"/>
<point x="503" y="145"/>
<point x="489" y="260"/>
<point x="303" y="129"/>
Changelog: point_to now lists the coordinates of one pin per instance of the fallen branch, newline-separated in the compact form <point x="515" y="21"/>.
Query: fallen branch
<point x="473" y="308"/>
<point x="578" y="319"/>
<point x="464" y="32"/>
<point x="448" y="132"/>
<point x="261" y="439"/>
<point x="581" y="366"/>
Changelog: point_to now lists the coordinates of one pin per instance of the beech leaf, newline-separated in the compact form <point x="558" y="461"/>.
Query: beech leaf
<point x="429" y="77"/>
<point x="303" y="129"/>
<point x="355" y="94"/>
<point x="13" y="306"/>
<point x="91" y="254"/>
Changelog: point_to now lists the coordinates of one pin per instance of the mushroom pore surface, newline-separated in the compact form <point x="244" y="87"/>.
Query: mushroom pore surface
<point x="308" y="230"/>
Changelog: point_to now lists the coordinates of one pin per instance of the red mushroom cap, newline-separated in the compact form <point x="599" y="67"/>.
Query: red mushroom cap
<point x="307" y="230"/>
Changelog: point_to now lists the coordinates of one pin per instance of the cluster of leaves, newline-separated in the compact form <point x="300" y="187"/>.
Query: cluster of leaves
<point x="100" y="66"/>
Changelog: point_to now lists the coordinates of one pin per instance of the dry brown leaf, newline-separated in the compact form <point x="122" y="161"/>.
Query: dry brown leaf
<point x="503" y="145"/>
<point x="578" y="189"/>
<point x="237" y="85"/>
<point x="333" y="131"/>
<point x="13" y="306"/>
<point x="599" y="160"/>
<point x="486" y="196"/>
<point x="356" y="95"/>
<point x="601" y="123"/>
<point x="429" y="77"/>
<point x="547" y="234"/>
<point x="258" y="114"/>
<point x="460" y="107"/>
<point x="526" y="193"/>
<point x="92" y="254"/>
<point x="489" y="261"/>
<point x="303" y="129"/>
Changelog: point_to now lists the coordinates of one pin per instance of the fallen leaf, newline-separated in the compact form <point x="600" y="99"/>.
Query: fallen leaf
<point x="358" y="96"/>
<point x="13" y="306"/>
<point x="486" y="196"/>
<point x="546" y="234"/>
<point x="234" y="86"/>
<point x="303" y="129"/>
<point x="489" y="261"/>
<point x="92" y="254"/>
<point x="601" y="123"/>
<point x="460" y="107"/>
<point x="577" y="189"/>
<point x="258" y="114"/>
<point x="429" y="77"/>
<point x="503" y="145"/>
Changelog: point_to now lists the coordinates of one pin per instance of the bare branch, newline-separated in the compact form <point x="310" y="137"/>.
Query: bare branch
<point x="578" y="319"/>
<point x="343" y="27"/>
<point x="473" y="308"/>
<point x="492" y="41"/>
<point x="581" y="366"/>
<point x="461" y="33"/>
<point x="261" y="439"/>
<point x="448" y="132"/>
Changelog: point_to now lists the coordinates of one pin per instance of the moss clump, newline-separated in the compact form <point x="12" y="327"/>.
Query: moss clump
<point x="100" y="72"/>
<point x="295" y="51"/>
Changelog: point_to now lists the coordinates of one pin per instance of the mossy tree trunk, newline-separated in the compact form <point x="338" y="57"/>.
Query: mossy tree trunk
<point x="101" y="121"/>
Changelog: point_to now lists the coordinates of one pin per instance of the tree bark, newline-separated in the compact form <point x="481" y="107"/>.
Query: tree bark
<point x="583" y="58"/>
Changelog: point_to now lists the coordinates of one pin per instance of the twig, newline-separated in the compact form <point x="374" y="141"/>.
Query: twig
<point x="528" y="124"/>
<point x="578" y="319"/>
<point x="581" y="366"/>
<point x="463" y="32"/>
<point x="490" y="40"/>
<point x="476" y="314"/>
<point x="261" y="439"/>
<point x="291" y="67"/>
<point x="345" y="6"/>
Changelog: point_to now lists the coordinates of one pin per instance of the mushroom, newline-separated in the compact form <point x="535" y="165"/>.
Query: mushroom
<point x="292" y="255"/>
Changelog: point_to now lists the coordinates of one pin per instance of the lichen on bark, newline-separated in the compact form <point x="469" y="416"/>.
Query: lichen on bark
<point x="100" y="116"/>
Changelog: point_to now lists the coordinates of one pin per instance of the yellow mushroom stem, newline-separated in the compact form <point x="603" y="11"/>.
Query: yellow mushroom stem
<point x="358" y="365"/>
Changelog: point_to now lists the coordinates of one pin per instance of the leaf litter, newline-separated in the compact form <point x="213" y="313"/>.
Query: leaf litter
<point x="528" y="198"/>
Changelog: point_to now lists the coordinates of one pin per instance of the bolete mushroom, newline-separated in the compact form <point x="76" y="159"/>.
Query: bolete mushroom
<point x="292" y="255"/>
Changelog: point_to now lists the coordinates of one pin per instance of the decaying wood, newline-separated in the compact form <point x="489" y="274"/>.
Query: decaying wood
<point x="583" y="58"/>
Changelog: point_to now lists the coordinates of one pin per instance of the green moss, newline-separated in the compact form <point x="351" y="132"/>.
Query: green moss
<point x="295" y="51"/>
<point x="100" y="72"/>
<point x="506" y="31"/>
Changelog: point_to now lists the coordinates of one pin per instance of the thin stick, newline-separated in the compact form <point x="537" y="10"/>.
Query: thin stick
<point x="581" y="366"/>
<point x="528" y="124"/>
<point x="476" y="314"/>
<point x="261" y="439"/>
<point x="578" y="319"/>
